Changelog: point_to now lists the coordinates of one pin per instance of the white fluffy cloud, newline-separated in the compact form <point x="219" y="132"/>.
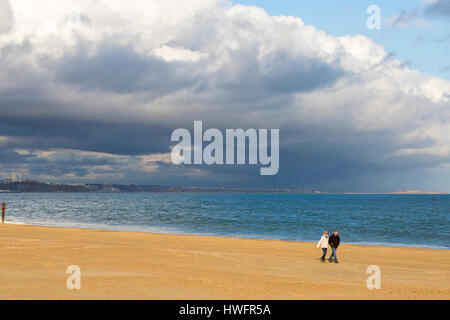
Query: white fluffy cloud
<point x="167" y="63"/>
<point x="6" y="17"/>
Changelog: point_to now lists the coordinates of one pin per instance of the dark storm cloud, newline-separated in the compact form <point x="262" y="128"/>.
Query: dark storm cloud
<point x="108" y="137"/>
<point x="279" y="75"/>
<point x="440" y="8"/>
<point x="95" y="110"/>
<point x="61" y="163"/>
<point x="9" y="157"/>
<point x="329" y="159"/>
<point x="121" y="69"/>
<point x="57" y="169"/>
<point x="33" y="112"/>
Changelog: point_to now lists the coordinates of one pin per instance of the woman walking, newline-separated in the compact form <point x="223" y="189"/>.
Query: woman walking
<point x="323" y="243"/>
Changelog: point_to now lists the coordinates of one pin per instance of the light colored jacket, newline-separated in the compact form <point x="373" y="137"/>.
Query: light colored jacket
<point x="323" y="242"/>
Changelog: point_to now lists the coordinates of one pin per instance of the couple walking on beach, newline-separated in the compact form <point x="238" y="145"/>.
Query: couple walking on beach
<point x="333" y="241"/>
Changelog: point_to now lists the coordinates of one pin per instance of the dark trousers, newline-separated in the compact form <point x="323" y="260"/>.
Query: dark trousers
<point x="333" y="254"/>
<point x="324" y="253"/>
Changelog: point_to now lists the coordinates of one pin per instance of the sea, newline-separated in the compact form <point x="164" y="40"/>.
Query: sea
<point x="373" y="219"/>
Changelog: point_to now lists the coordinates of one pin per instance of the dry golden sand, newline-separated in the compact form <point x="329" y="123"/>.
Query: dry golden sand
<point x="128" y="265"/>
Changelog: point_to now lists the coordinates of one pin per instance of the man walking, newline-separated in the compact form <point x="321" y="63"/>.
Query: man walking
<point x="334" y="241"/>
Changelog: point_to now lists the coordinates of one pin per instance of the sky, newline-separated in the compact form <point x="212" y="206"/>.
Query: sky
<point x="90" y="91"/>
<point x="416" y="31"/>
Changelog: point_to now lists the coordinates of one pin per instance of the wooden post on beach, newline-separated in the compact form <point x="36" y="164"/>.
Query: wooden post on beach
<point x="3" y="212"/>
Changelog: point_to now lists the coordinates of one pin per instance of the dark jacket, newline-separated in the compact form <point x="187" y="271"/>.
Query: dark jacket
<point x="334" y="241"/>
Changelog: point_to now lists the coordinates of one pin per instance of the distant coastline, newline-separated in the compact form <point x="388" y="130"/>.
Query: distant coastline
<point x="37" y="186"/>
<point x="34" y="187"/>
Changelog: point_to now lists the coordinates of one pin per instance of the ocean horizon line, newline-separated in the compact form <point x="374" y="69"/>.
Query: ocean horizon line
<point x="34" y="186"/>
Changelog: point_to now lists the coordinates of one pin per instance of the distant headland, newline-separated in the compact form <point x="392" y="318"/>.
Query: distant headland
<point x="416" y="192"/>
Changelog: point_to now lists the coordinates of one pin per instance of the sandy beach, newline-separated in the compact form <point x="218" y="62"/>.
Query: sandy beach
<point x="129" y="265"/>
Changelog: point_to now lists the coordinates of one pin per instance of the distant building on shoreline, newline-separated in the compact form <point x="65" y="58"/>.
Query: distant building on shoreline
<point x="13" y="178"/>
